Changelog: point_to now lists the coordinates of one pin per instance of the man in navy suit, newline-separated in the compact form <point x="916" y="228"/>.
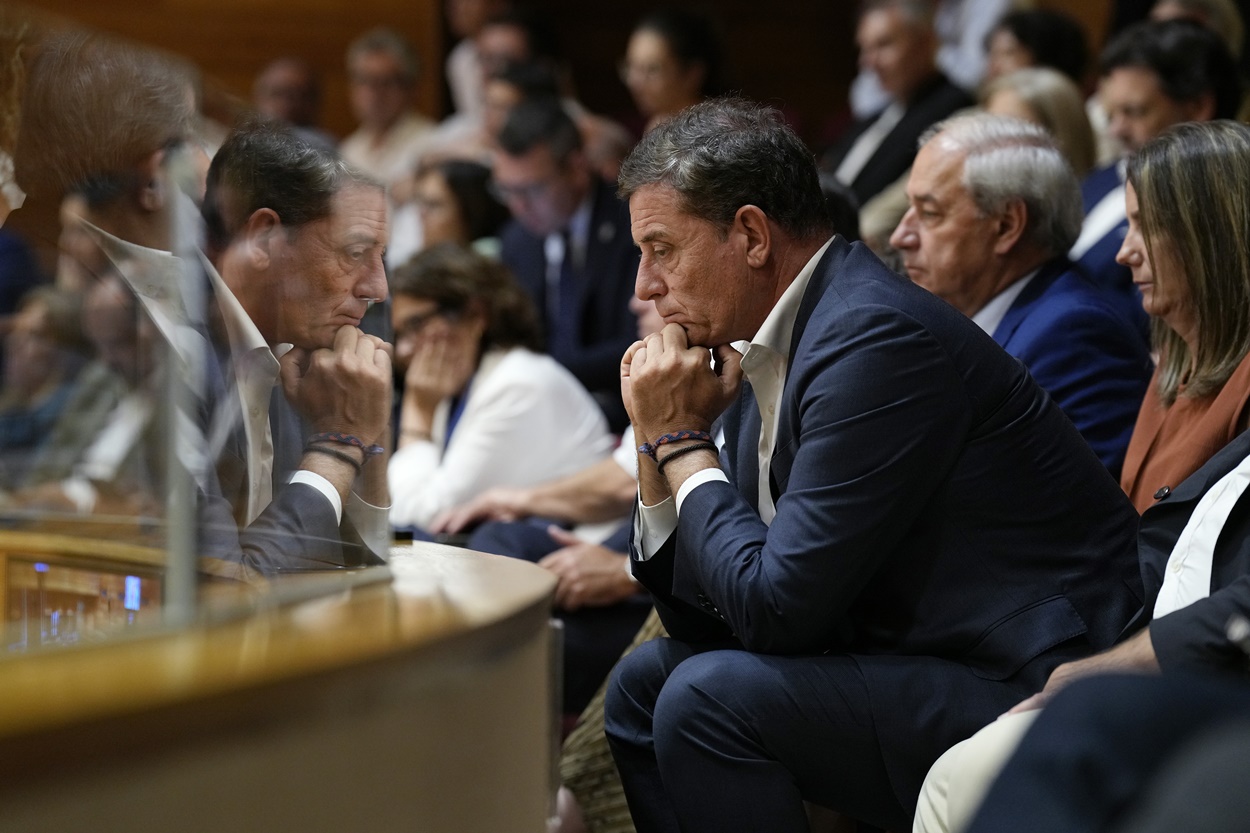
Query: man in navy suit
<point x="903" y="535"/>
<point x="1154" y="75"/>
<point x="568" y="245"/>
<point x="993" y="211"/>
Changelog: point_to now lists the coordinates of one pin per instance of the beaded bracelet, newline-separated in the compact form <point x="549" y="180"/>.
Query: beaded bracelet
<point x="347" y="439"/>
<point x="338" y="455"/>
<point x="649" y="449"/>
<point x="681" y="451"/>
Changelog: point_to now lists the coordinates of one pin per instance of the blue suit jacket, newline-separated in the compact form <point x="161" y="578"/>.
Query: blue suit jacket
<point x="938" y="518"/>
<point x="1098" y="262"/>
<point x="606" y="325"/>
<point x="1084" y="348"/>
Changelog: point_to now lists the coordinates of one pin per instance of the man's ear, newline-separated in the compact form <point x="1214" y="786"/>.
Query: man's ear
<point x="259" y="235"/>
<point x="1010" y="226"/>
<point x="152" y="189"/>
<point x="751" y="222"/>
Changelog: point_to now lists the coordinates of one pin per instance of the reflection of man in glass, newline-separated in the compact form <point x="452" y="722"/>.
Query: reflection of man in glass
<point x="298" y="238"/>
<point x="104" y="120"/>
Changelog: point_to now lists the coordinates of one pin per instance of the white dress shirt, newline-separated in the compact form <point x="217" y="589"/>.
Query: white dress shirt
<point x="1102" y="218"/>
<point x="1187" y="577"/>
<point x="992" y="314"/>
<point x="764" y="364"/>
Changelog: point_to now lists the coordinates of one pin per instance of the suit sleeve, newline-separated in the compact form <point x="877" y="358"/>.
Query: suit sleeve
<point x="1096" y="368"/>
<point x="875" y="417"/>
<point x="1194" y="638"/>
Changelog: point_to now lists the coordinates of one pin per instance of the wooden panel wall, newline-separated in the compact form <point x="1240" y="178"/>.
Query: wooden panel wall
<point x="231" y="40"/>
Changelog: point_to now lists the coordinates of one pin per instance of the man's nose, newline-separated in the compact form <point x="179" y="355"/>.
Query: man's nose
<point x="904" y="236"/>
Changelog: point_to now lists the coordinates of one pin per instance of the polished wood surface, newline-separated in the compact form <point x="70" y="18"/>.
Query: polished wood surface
<point x="416" y="697"/>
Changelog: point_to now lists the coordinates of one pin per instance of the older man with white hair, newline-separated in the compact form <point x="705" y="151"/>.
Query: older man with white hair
<point x="993" y="209"/>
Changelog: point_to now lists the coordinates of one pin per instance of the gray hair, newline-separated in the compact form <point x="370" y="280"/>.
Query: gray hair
<point x="725" y="153"/>
<point x="266" y="165"/>
<point x="915" y="13"/>
<point x="1008" y="159"/>
<point x="385" y="39"/>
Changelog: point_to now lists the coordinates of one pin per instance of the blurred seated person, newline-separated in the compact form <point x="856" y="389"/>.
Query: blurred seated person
<point x="382" y="71"/>
<point x="569" y="245"/>
<point x="673" y="60"/>
<point x="1047" y="98"/>
<point x="456" y="206"/>
<point x="288" y="90"/>
<point x="896" y="40"/>
<point x="480" y="407"/>
<point x="43" y="351"/>
<point x="1188" y="205"/>
<point x="451" y="201"/>
<point x="1037" y="38"/>
<point x="103" y="453"/>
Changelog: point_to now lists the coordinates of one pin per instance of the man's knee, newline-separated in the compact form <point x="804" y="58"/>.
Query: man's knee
<point x="633" y="688"/>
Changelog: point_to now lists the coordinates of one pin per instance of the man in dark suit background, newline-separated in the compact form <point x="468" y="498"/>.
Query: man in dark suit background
<point x="896" y="41"/>
<point x="994" y="209"/>
<point x="568" y="245"/>
<point x="903" y="535"/>
<point x="1154" y="75"/>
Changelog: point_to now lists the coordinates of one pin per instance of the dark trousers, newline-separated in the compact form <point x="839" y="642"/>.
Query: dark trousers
<point x="594" y="637"/>
<point x="1094" y="752"/>
<point x="726" y="740"/>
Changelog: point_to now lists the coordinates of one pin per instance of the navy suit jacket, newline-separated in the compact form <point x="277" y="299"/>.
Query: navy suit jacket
<point x="933" y="102"/>
<point x="1083" y="346"/>
<point x="606" y="325"/>
<point x="938" y="519"/>
<point x="1193" y="637"/>
<point x="1098" y="262"/>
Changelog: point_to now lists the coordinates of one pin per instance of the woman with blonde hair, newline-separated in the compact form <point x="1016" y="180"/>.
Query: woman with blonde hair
<point x="1048" y="98"/>
<point x="1188" y="196"/>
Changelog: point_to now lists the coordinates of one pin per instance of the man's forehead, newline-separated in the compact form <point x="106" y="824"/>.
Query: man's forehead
<point x="938" y="170"/>
<point x="359" y="210"/>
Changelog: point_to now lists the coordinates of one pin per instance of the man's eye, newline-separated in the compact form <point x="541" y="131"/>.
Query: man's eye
<point x="356" y="254"/>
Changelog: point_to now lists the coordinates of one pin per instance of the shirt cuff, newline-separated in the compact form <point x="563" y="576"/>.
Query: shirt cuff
<point x="698" y="479"/>
<point x="311" y="478"/>
<point x="653" y="525"/>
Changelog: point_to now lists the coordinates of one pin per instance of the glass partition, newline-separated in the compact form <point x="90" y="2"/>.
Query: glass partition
<point x="147" y="440"/>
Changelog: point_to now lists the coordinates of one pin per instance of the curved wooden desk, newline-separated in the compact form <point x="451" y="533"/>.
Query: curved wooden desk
<point x="420" y="701"/>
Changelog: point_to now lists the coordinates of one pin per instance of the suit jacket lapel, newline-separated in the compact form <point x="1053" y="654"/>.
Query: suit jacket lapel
<point x="1020" y="307"/>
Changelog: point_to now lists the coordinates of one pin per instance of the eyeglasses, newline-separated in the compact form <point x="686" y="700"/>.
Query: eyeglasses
<point x="414" y="324"/>
<point x="640" y="72"/>
<point x="521" y="193"/>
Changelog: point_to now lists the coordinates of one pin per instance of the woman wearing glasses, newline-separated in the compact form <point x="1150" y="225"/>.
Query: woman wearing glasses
<point x="480" y="406"/>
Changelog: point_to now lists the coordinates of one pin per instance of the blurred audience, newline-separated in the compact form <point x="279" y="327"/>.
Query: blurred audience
<point x="456" y="205"/>
<point x="43" y="351"/>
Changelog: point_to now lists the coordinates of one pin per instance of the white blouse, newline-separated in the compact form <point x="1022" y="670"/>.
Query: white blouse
<point x="526" y="420"/>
